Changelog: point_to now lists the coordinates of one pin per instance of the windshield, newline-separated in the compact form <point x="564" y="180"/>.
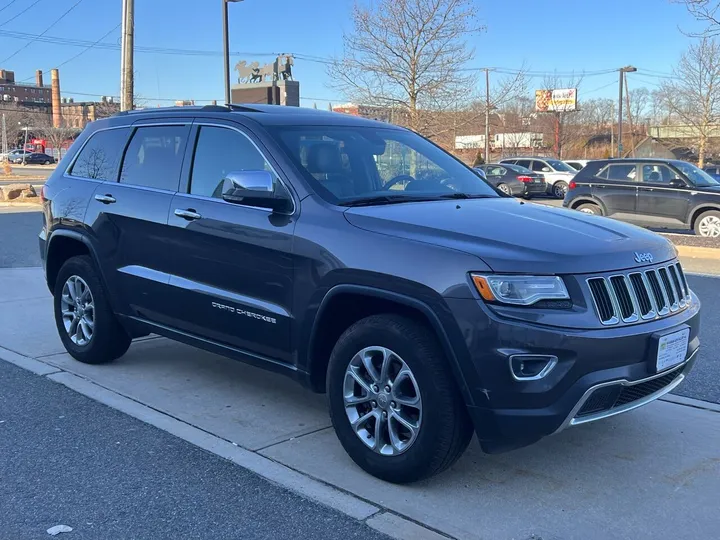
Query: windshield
<point x="518" y="168"/>
<point x="560" y="166"/>
<point x="353" y="164"/>
<point x="697" y="176"/>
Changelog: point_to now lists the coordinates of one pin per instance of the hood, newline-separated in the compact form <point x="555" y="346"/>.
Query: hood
<point x="517" y="237"/>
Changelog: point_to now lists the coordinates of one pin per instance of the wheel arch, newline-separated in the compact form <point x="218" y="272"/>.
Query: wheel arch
<point x="344" y="305"/>
<point x="697" y="211"/>
<point x="587" y="199"/>
<point x="63" y="245"/>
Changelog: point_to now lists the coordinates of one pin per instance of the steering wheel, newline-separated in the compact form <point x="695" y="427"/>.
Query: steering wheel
<point x="396" y="180"/>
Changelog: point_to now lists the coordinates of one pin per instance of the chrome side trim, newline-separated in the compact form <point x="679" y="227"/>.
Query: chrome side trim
<point x="572" y="421"/>
<point x="227" y="296"/>
<point x="145" y="273"/>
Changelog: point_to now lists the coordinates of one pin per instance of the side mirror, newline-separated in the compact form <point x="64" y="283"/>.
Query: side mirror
<point x="254" y="188"/>
<point x="677" y="182"/>
<point x="545" y="169"/>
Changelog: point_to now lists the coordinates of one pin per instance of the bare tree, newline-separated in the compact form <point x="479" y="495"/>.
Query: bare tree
<point x="56" y="137"/>
<point x="640" y="101"/>
<point x="706" y="11"/>
<point x="564" y="131"/>
<point x="409" y="55"/>
<point x="693" y="95"/>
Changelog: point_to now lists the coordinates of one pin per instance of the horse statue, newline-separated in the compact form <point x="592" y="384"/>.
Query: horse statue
<point x="286" y="72"/>
<point x="248" y="73"/>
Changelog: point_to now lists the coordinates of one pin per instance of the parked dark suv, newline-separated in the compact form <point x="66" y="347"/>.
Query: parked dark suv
<point x="363" y="261"/>
<point x="658" y="193"/>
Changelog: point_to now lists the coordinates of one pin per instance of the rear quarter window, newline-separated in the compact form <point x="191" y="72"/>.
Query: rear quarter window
<point x="100" y="158"/>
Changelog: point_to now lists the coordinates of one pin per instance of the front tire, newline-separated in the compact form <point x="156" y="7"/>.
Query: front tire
<point x="560" y="189"/>
<point x="87" y="325"/>
<point x="393" y="401"/>
<point x="708" y="224"/>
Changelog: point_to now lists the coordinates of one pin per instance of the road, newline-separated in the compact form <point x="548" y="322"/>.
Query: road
<point x="70" y="460"/>
<point x="19" y="248"/>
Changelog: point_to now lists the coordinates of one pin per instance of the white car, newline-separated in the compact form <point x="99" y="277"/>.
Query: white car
<point x="577" y="164"/>
<point x="557" y="173"/>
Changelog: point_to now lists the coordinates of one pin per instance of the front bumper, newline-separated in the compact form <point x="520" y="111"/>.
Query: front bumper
<point x="620" y="362"/>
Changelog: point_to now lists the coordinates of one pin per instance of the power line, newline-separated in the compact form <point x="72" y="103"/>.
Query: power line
<point x="86" y="49"/>
<point x="7" y="6"/>
<point x="22" y="12"/>
<point x="76" y="4"/>
<point x="115" y="46"/>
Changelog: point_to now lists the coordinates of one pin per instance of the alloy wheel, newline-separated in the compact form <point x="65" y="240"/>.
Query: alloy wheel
<point x="382" y="401"/>
<point x="504" y="188"/>
<point x="709" y="226"/>
<point x="560" y="190"/>
<point x="78" y="310"/>
<point x="587" y="211"/>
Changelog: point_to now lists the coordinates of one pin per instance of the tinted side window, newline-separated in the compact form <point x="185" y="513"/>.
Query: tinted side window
<point x="154" y="157"/>
<point x="538" y="166"/>
<point x="100" y="157"/>
<point x="219" y="151"/>
<point x="621" y="172"/>
<point x="496" y="171"/>
<point x="523" y="163"/>
<point x="657" y="174"/>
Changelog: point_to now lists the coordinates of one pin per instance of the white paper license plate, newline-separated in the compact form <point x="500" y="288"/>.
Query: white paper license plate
<point x="672" y="349"/>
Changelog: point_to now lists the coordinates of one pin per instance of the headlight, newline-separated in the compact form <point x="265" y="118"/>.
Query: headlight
<point x="520" y="290"/>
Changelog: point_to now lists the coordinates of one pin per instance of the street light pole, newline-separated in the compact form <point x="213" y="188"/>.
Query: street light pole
<point x="622" y="71"/>
<point x="226" y="48"/>
<point x="25" y="145"/>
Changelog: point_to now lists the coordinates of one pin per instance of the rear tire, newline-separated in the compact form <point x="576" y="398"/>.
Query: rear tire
<point x="46" y="163"/>
<point x="707" y="224"/>
<point x="80" y="301"/>
<point x="443" y="425"/>
<point x="504" y="188"/>
<point x="590" y="208"/>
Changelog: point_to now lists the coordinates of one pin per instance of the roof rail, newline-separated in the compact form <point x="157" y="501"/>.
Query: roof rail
<point x="180" y="110"/>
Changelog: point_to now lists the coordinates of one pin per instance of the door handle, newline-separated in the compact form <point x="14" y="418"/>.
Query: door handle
<point x="105" y="199"/>
<point x="188" y="214"/>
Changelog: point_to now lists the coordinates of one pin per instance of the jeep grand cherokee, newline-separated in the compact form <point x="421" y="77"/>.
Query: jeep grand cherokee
<point x="363" y="261"/>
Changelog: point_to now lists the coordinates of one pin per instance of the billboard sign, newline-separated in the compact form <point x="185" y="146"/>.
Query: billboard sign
<point x="559" y="100"/>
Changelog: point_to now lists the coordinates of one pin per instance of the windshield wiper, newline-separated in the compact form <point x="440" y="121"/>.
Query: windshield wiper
<point x="459" y="195"/>
<point x="395" y="199"/>
<point x="380" y="199"/>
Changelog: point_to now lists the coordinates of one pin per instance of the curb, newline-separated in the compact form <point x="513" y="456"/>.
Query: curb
<point x="701" y="252"/>
<point x="372" y="515"/>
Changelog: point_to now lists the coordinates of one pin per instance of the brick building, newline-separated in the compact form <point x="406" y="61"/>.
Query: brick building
<point x="78" y="114"/>
<point x="23" y="94"/>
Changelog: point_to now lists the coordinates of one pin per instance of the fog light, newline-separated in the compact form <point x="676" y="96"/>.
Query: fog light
<point x="531" y="367"/>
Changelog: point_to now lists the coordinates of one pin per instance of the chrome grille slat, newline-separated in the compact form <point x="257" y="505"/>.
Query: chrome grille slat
<point x="669" y="289"/>
<point x="639" y="295"/>
<point x="675" y="279"/>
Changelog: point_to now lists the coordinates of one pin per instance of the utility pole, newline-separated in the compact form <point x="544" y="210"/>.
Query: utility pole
<point x="487" y="116"/>
<point x="127" y="56"/>
<point x="612" y="129"/>
<point x="626" y="69"/>
<point x="629" y="115"/>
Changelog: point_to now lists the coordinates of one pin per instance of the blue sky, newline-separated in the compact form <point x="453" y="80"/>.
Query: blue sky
<point x="568" y="35"/>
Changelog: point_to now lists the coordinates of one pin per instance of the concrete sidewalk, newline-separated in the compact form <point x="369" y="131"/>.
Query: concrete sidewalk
<point x="652" y="473"/>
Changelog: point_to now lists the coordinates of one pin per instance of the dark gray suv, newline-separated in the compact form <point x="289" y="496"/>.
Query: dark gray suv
<point x="363" y="261"/>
